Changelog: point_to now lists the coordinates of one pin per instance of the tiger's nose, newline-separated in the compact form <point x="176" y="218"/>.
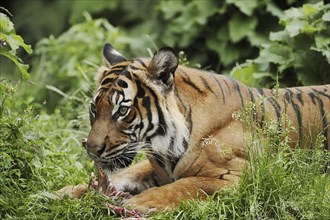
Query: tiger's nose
<point x="101" y="149"/>
<point x="93" y="149"/>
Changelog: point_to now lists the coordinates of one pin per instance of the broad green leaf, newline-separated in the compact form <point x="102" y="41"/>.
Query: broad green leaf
<point x="322" y="41"/>
<point x="23" y="68"/>
<point x="323" y="46"/>
<point x="294" y="27"/>
<point x="274" y="10"/>
<point x="309" y="29"/>
<point x="309" y="9"/>
<point x="257" y="39"/>
<point x="291" y="14"/>
<point x="13" y="43"/>
<point x="6" y="26"/>
<point x="247" y="7"/>
<point x="240" y="26"/>
<point x="326" y="16"/>
<point x="277" y="53"/>
<point x="279" y="36"/>
<point x="21" y="43"/>
<point x="245" y="74"/>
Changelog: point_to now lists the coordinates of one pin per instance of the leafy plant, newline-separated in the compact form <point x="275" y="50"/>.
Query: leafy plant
<point x="38" y="152"/>
<point x="298" y="54"/>
<point x="216" y="34"/>
<point x="9" y="44"/>
<point x="67" y="64"/>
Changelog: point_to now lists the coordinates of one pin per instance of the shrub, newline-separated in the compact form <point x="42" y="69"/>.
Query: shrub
<point x="299" y="54"/>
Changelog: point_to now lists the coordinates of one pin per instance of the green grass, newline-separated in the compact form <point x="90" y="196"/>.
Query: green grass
<point x="41" y="152"/>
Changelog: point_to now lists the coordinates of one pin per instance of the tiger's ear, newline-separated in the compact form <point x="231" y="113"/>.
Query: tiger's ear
<point x="111" y="56"/>
<point x="163" y="65"/>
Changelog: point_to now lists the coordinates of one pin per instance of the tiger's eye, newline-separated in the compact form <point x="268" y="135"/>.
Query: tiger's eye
<point x="123" y="110"/>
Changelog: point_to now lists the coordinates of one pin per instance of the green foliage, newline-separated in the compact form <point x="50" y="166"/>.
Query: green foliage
<point x="39" y="153"/>
<point x="216" y="34"/>
<point x="68" y="63"/>
<point x="8" y="36"/>
<point x="298" y="54"/>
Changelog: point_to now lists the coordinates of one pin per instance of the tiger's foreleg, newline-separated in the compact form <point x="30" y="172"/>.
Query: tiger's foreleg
<point x="170" y="195"/>
<point x="217" y="163"/>
<point x="136" y="178"/>
<point x="133" y="180"/>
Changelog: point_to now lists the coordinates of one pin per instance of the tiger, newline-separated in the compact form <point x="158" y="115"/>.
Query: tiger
<point x="184" y="119"/>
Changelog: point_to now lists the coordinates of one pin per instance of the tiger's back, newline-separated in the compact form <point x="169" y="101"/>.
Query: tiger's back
<point x="216" y="98"/>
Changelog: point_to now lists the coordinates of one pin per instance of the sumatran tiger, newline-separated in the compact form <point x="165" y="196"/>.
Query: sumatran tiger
<point x="184" y="117"/>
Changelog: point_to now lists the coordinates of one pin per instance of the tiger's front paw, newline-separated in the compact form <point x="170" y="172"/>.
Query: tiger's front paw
<point x="152" y="200"/>
<point x="72" y="191"/>
<point x="146" y="206"/>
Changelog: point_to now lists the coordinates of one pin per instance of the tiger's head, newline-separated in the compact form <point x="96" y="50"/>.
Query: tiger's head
<point x="134" y="108"/>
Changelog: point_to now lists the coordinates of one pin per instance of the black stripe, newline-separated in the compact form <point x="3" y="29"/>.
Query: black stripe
<point x="237" y="87"/>
<point x="219" y="84"/>
<point x="313" y="97"/>
<point x="255" y="113"/>
<point x="189" y="120"/>
<point x="162" y="127"/>
<point x="107" y="80"/>
<point x="141" y="92"/>
<point x="100" y="95"/>
<point x="141" y="62"/>
<point x="136" y="68"/>
<point x="276" y="107"/>
<point x="116" y="151"/>
<point x="299" y="97"/>
<point x="172" y="141"/>
<point x="122" y="83"/>
<point x="158" y="159"/>
<point x="180" y="99"/>
<point x="120" y="93"/>
<point x="122" y="64"/>
<point x="299" y="119"/>
<point x="190" y="83"/>
<point x="324" y="122"/>
<point x="146" y="104"/>
<point x="206" y="84"/>
<point x="138" y="126"/>
<point x="321" y="93"/>
<point x="225" y="81"/>
<point x="127" y="74"/>
<point x="261" y="91"/>
<point x="116" y="71"/>
<point x="174" y="162"/>
<point x="289" y="97"/>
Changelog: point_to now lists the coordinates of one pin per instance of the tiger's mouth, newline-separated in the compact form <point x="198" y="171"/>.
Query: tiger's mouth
<point x="113" y="163"/>
<point x="116" y="163"/>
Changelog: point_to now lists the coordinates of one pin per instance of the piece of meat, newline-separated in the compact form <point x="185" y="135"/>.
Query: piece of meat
<point x="104" y="186"/>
